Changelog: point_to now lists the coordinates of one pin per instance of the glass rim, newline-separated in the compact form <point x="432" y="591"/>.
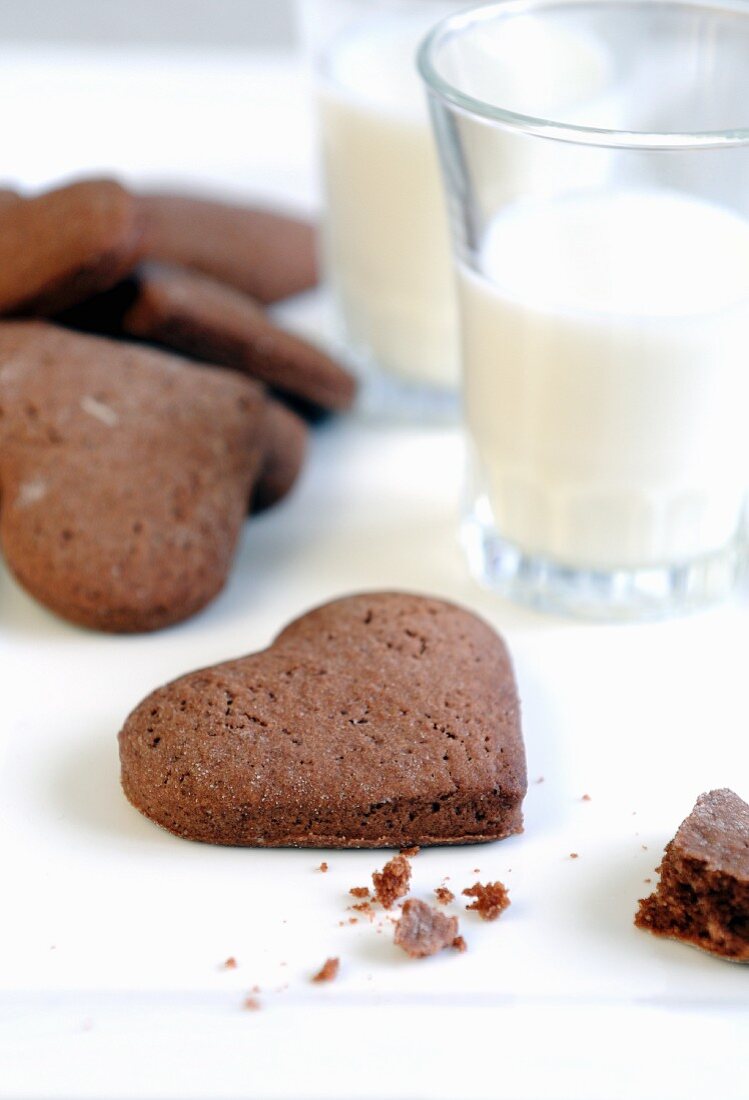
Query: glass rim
<point x="533" y="125"/>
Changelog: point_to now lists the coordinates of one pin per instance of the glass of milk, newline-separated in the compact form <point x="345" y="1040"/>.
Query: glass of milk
<point x="386" y="248"/>
<point x="600" y="229"/>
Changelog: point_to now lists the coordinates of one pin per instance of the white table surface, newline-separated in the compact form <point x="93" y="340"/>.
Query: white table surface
<point x="112" y="932"/>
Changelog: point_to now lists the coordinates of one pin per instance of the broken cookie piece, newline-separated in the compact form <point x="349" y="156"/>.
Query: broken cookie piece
<point x="392" y="881"/>
<point x="703" y="894"/>
<point x="423" y="931"/>
<point x="328" y="972"/>
<point x="490" y="900"/>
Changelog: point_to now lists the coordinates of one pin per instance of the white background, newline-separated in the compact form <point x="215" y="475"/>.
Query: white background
<point x="112" y="932"/>
<point x="214" y="23"/>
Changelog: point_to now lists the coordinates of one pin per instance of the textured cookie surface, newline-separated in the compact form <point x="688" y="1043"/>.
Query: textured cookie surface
<point x="377" y="720"/>
<point x="61" y="247"/>
<point x="201" y="317"/>
<point x="125" y="475"/>
<point x="703" y="894"/>
<point x="267" y="255"/>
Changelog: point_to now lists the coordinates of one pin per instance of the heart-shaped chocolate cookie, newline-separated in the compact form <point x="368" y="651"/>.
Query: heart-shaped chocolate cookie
<point x="201" y="317"/>
<point x="283" y="456"/>
<point x="197" y="316"/>
<point x="60" y="247"/>
<point x="125" y="475"/>
<point x="377" y="720"/>
<point x="265" y="254"/>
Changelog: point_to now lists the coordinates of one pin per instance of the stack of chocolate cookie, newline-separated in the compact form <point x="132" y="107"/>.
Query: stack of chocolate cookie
<point x="127" y="471"/>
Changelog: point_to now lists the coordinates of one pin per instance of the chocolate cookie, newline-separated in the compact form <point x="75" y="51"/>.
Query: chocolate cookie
<point x="203" y="318"/>
<point x="63" y="246"/>
<point x="703" y="894"/>
<point x="378" y="720"/>
<point x="125" y="474"/>
<point x="269" y="256"/>
<point x="284" y="452"/>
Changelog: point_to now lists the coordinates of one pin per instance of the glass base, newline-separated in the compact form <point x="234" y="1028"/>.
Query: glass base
<point x="606" y="596"/>
<point x="383" y="395"/>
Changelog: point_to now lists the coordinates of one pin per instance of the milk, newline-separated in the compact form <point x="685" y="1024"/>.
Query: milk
<point x="605" y="357"/>
<point x="386" y="234"/>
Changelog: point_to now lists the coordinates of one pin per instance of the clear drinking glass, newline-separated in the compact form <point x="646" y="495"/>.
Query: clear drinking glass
<point x="595" y="155"/>
<point x="386" y="248"/>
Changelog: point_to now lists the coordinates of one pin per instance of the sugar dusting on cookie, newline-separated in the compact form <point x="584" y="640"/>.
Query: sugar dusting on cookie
<point x="31" y="492"/>
<point x="100" y="411"/>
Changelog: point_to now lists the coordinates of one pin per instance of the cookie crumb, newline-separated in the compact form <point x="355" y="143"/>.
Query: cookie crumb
<point x="459" y="944"/>
<point x="647" y="880"/>
<point x="323" y="867"/>
<point x="230" y="963"/>
<point x="574" y="855"/>
<point x="328" y="971"/>
<point x="540" y="779"/>
<point x="252" y="1004"/>
<point x="490" y="901"/>
<point x="443" y="895"/>
<point x="392" y="881"/>
<point x="359" y="891"/>
<point x="410" y="852"/>
<point x="423" y="931"/>
<point x="644" y="847"/>
<point x="585" y="798"/>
